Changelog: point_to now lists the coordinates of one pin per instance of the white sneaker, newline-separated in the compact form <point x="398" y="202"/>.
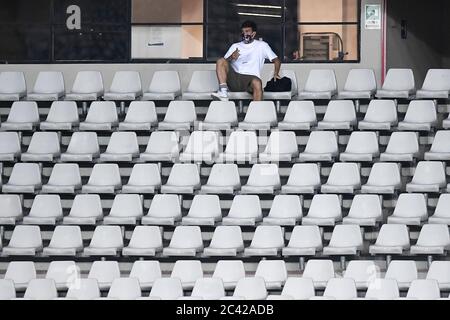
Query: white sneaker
<point x="220" y="95"/>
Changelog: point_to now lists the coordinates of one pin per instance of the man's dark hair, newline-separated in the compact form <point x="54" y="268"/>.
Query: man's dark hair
<point x="249" y="24"/>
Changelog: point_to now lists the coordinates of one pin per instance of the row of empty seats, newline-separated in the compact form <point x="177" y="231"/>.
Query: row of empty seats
<point x="63" y="280"/>
<point x="165" y="85"/>
<point x="421" y="115"/>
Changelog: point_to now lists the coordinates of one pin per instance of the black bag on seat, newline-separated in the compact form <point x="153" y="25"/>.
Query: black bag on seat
<point x="281" y="85"/>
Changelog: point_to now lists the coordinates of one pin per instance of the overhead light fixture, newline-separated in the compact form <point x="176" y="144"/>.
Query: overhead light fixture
<point x="257" y="6"/>
<point x="258" y="14"/>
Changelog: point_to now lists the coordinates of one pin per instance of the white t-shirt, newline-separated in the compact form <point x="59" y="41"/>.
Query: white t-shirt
<point x="252" y="56"/>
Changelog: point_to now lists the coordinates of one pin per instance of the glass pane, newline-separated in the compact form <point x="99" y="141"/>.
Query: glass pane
<point x="98" y="11"/>
<point x="163" y="11"/>
<point x="322" y="11"/>
<point x="25" y="11"/>
<point x="321" y="42"/>
<point x="108" y="43"/>
<point x="221" y="37"/>
<point x="236" y="12"/>
<point x="160" y="42"/>
<point x="24" y="43"/>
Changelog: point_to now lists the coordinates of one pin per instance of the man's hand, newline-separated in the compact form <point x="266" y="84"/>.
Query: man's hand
<point x="235" y="55"/>
<point x="276" y="77"/>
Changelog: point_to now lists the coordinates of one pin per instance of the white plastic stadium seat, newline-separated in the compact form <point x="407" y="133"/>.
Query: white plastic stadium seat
<point x="41" y="289"/>
<point x="146" y="271"/>
<point x="440" y="149"/>
<point x="101" y="116"/>
<point x="281" y="146"/>
<point x="49" y="86"/>
<point x="420" y="116"/>
<point x="263" y="179"/>
<point x="429" y="176"/>
<point x="165" y="85"/>
<point x="25" y="241"/>
<point x="12" y="86"/>
<point x="106" y="241"/>
<point x="424" y="289"/>
<point x="273" y="272"/>
<point x="383" y="289"/>
<point x="126" y="85"/>
<point x="441" y="213"/>
<point x="45" y="210"/>
<point x="24" y="178"/>
<point x="251" y="289"/>
<point x="88" y="86"/>
<point x="402" y="146"/>
<point x="184" y="178"/>
<point x="21" y="273"/>
<point x="363" y="272"/>
<point x="44" y="146"/>
<point x="23" y="115"/>
<point x="11" y="211"/>
<point x="167" y="289"/>
<point x="433" y="239"/>
<point x="436" y="85"/>
<point x="361" y="147"/>
<point x="260" y="115"/>
<point x="344" y="178"/>
<point x="380" y="115"/>
<point x="285" y="210"/>
<point x="188" y="271"/>
<point x="267" y="241"/>
<point x="392" y="239"/>
<point x="223" y="178"/>
<point x="126" y="209"/>
<point x="125" y="289"/>
<point x="303" y="178"/>
<point x="10" y="148"/>
<point x="141" y="115"/>
<point x="320" y="271"/>
<point x="320" y="84"/>
<point x="325" y="210"/>
<point x="145" y="241"/>
<point x="86" y="209"/>
<point x="300" y="115"/>
<point x="244" y="210"/>
<point x="104" y="272"/>
<point x="162" y="146"/>
<point x="185" y="241"/>
<point x="202" y="146"/>
<point x="123" y="146"/>
<point x="346" y="240"/>
<point x="241" y="146"/>
<point x="230" y="271"/>
<point x="321" y="146"/>
<point x="180" y="115"/>
<point x="340" y="115"/>
<point x="440" y="271"/>
<point x="403" y="271"/>
<point x="304" y="241"/>
<point x="384" y="178"/>
<point x="104" y="178"/>
<point x="165" y="209"/>
<point x="410" y="209"/>
<point x="204" y="211"/>
<point x="221" y="115"/>
<point x="83" y="147"/>
<point x="398" y="84"/>
<point x="365" y="210"/>
<point x="360" y="84"/>
<point x="208" y="289"/>
<point x="65" y="178"/>
<point x="144" y="178"/>
<point x="85" y="289"/>
<point x="201" y="85"/>
<point x="66" y="241"/>
<point x="226" y="241"/>
<point x="63" y="115"/>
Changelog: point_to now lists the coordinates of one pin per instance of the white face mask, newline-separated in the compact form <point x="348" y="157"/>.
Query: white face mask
<point x="247" y="38"/>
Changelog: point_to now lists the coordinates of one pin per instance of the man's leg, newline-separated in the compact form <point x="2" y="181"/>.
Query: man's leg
<point x="222" y="70"/>
<point x="257" y="89"/>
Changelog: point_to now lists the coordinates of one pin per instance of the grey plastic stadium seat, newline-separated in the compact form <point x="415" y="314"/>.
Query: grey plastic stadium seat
<point x="45" y="210"/>
<point x="184" y="178"/>
<point x="410" y="209"/>
<point x="88" y="86"/>
<point x="384" y="178"/>
<point x="123" y="146"/>
<point x="11" y="211"/>
<point x="320" y="84"/>
<point x="403" y="271"/>
<point x="65" y="178"/>
<point x="126" y="85"/>
<point x="273" y="272"/>
<point x="365" y="210"/>
<point x="63" y="115"/>
<point x="339" y="289"/>
<point x="284" y="95"/>
<point x="85" y="289"/>
<point x="185" y="241"/>
<point x="241" y="146"/>
<point x="141" y="115"/>
<point x="260" y="115"/>
<point x="433" y="239"/>
<point x="420" y="116"/>
<point x="267" y="241"/>
<point x="253" y="288"/>
<point x="440" y="149"/>
<point x="340" y="115"/>
<point x="303" y="178"/>
<point x="399" y="83"/>
<point x="363" y="272"/>
<point x="24" y="178"/>
<point x="202" y="146"/>
<point x="83" y="147"/>
<point x="162" y="146"/>
<point x="104" y="272"/>
<point x="49" y="86"/>
<point x="436" y="85"/>
<point x="424" y="289"/>
<point x="360" y="84"/>
<point x="319" y="271"/>
<point x="281" y="146"/>
<point x="440" y="271"/>
<point x="221" y="115"/>
<point x="126" y="209"/>
<point x="346" y="240"/>
<point x="145" y="241"/>
<point x="41" y="289"/>
<point x="230" y="271"/>
<point x="223" y="178"/>
<point x="165" y="209"/>
<point x="244" y="210"/>
<point x="65" y="274"/>
<point x="124" y="289"/>
<point x="66" y="241"/>
<point x="263" y="179"/>
<point x="44" y="146"/>
<point x="86" y="209"/>
<point x="344" y="178"/>
<point x="104" y="178"/>
<point x="204" y="211"/>
<point x="208" y="289"/>
<point x="146" y="271"/>
<point x="180" y="115"/>
<point x="7" y="290"/>
<point x="10" y="148"/>
<point x="321" y="146"/>
<point x="165" y="85"/>
<point x="297" y="289"/>
<point x="23" y="115"/>
<point x="383" y="289"/>
<point x="300" y="115"/>
<point x="392" y="239"/>
<point x="25" y="241"/>
<point x="285" y="210"/>
<point x="402" y="146"/>
<point x="325" y="210"/>
<point x="167" y="289"/>
<point x="201" y="85"/>
<point x="361" y="147"/>
<point x="12" y="86"/>
<point x="304" y="241"/>
<point x="144" y="178"/>
<point x="188" y="271"/>
<point x="429" y="176"/>
<point x="380" y="115"/>
<point x="441" y="213"/>
<point x="106" y="241"/>
<point x="226" y="241"/>
<point x="101" y="116"/>
<point x="20" y="273"/>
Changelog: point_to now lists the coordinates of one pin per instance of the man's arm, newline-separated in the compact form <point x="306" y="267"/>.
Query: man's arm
<point x="277" y="66"/>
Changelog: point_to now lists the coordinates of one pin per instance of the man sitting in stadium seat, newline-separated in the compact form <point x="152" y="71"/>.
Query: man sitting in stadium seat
<point x="247" y="60"/>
